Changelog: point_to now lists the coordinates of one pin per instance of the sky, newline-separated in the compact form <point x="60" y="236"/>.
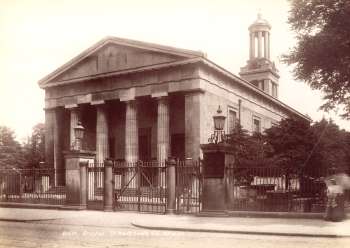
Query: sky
<point x="38" y="36"/>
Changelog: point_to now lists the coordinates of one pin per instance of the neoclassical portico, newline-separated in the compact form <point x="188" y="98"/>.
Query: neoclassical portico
<point x="134" y="114"/>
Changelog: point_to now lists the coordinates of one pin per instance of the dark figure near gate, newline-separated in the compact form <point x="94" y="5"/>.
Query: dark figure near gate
<point x="335" y="202"/>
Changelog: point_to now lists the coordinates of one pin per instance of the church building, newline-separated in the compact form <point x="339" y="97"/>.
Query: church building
<point x="143" y="101"/>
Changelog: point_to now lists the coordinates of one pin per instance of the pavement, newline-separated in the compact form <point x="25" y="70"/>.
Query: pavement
<point x="185" y="223"/>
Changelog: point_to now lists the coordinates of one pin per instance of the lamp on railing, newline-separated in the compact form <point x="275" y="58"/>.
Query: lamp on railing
<point x="79" y="135"/>
<point x="219" y="124"/>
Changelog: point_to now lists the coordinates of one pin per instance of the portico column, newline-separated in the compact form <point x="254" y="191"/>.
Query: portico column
<point x="102" y="147"/>
<point x="74" y="119"/>
<point x="193" y="124"/>
<point x="259" y="44"/>
<point x="131" y="132"/>
<point x="57" y="147"/>
<point x="163" y="129"/>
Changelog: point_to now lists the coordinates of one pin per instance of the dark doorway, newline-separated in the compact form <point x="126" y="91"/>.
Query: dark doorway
<point x="145" y="144"/>
<point x="111" y="143"/>
<point x="178" y="145"/>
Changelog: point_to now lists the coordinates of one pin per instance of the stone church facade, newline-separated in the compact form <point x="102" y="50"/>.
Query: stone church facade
<point x="142" y="101"/>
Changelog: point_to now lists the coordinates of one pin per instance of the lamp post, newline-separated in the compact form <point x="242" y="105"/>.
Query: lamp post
<point x="79" y="135"/>
<point x="217" y="193"/>
<point x="219" y="124"/>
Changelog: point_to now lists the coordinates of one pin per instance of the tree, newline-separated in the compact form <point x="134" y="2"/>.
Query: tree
<point x="249" y="150"/>
<point x="295" y="150"/>
<point x="333" y="145"/>
<point x="35" y="146"/>
<point x="322" y="53"/>
<point x="292" y="143"/>
<point x="11" y="153"/>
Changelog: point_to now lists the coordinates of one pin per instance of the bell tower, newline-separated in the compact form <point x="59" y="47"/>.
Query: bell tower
<point x="260" y="70"/>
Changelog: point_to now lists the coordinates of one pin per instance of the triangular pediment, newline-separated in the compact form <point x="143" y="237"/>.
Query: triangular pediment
<point x="113" y="55"/>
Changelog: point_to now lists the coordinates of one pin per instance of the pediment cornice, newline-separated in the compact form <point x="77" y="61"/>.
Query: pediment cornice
<point x="128" y="43"/>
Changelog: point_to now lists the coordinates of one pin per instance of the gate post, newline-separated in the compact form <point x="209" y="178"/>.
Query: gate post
<point x="76" y="186"/>
<point x="83" y="184"/>
<point x="171" y="184"/>
<point x="216" y="192"/>
<point x="108" y="186"/>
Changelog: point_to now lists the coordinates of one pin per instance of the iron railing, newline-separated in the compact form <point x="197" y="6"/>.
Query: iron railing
<point x="95" y="185"/>
<point x="36" y="186"/>
<point x="276" y="189"/>
<point x="188" y="186"/>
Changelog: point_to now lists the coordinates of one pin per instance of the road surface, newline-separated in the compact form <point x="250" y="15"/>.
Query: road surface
<point x="48" y="235"/>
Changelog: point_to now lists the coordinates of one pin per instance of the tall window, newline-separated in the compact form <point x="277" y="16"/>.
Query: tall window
<point x="232" y="120"/>
<point x="256" y="124"/>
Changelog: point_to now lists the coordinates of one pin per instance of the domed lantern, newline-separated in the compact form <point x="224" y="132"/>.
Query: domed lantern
<point x="219" y="120"/>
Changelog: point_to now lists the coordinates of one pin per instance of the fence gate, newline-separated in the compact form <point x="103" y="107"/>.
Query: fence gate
<point x="140" y="186"/>
<point x="95" y="174"/>
<point x="188" y="186"/>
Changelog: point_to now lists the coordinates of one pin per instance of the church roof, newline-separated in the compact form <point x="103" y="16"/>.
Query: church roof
<point x="121" y="41"/>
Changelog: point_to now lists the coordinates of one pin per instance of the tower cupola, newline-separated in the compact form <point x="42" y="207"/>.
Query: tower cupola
<point x="259" y="33"/>
<point x="260" y="70"/>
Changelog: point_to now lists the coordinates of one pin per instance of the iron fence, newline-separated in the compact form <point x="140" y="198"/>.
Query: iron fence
<point x="36" y="186"/>
<point x="274" y="189"/>
<point x="140" y="186"/>
<point x="95" y="185"/>
<point x="188" y="186"/>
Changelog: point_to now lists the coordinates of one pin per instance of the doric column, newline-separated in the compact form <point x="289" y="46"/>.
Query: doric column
<point x="102" y="148"/>
<point x="259" y="44"/>
<point x="193" y="124"/>
<point x="57" y="147"/>
<point x="74" y="119"/>
<point x="131" y="132"/>
<point x="163" y="129"/>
